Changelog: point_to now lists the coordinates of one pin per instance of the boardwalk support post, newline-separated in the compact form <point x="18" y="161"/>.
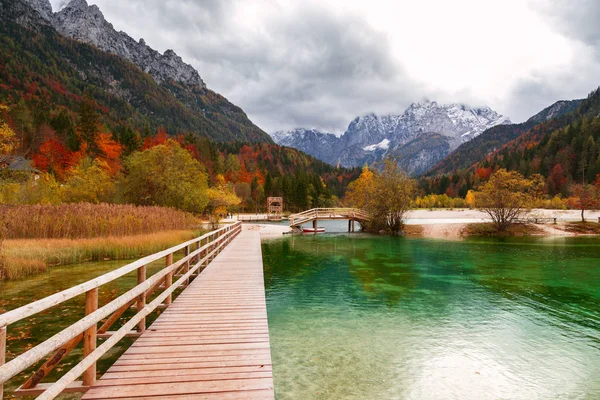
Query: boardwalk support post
<point x="186" y="252"/>
<point x="89" y="336"/>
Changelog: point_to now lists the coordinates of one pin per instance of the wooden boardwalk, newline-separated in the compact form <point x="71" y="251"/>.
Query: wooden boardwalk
<point x="212" y="342"/>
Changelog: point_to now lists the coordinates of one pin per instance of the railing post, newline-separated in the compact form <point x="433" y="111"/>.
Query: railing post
<point x="89" y="336"/>
<point x="186" y="252"/>
<point x="141" y="301"/>
<point x="2" y="355"/>
<point x="169" y="278"/>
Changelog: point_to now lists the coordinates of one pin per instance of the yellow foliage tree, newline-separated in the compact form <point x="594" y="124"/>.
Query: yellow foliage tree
<point x="90" y="182"/>
<point x="470" y="199"/>
<point x="44" y="190"/>
<point x="386" y="196"/>
<point x="360" y="191"/>
<point x="8" y="139"/>
<point x="221" y="197"/>
<point x="165" y="175"/>
<point x="506" y="197"/>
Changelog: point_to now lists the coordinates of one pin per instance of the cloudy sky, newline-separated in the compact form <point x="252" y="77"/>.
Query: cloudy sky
<point x="319" y="64"/>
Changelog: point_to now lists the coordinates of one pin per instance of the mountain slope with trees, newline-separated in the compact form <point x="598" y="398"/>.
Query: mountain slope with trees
<point x="494" y="138"/>
<point x="48" y="73"/>
<point x="565" y="150"/>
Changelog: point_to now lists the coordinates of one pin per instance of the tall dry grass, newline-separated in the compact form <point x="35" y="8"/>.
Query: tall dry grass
<point x="83" y="220"/>
<point x="22" y="257"/>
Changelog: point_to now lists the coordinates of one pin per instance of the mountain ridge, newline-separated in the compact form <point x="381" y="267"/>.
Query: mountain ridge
<point x="370" y="138"/>
<point x="86" y="23"/>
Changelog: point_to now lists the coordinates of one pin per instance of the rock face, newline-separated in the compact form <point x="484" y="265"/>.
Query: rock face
<point x="418" y="138"/>
<point x="86" y="23"/>
<point x="43" y="7"/>
<point x="22" y="13"/>
<point x="555" y="110"/>
<point x="318" y="144"/>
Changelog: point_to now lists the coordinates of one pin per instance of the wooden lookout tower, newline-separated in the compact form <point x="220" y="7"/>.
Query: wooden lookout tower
<point x="274" y="208"/>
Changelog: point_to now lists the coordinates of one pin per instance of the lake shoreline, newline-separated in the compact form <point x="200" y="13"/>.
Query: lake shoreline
<point x="458" y="224"/>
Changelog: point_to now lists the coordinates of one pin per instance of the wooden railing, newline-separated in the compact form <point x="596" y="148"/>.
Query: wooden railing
<point x="327" y="213"/>
<point x="197" y="253"/>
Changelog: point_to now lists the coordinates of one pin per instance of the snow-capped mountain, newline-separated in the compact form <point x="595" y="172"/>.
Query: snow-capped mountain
<point x="418" y="138"/>
<point x="318" y="144"/>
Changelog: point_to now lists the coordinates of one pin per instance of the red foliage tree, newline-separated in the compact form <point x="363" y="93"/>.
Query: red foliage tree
<point x="160" y="138"/>
<point x="559" y="178"/>
<point x="110" y="152"/>
<point x="483" y="173"/>
<point x="53" y="156"/>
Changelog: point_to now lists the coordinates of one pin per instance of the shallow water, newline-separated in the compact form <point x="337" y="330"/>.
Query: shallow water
<point x="358" y="317"/>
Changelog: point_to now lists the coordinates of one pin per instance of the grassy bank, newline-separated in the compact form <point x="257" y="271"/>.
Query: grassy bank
<point x="488" y="229"/>
<point x="22" y="257"/>
<point x="581" y="228"/>
<point x="83" y="220"/>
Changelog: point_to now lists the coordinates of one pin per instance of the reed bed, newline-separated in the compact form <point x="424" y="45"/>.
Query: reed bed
<point x="22" y="257"/>
<point x="84" y="220"/>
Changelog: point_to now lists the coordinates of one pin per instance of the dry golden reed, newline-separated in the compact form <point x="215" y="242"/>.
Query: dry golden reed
<point x="84" y="220"/>
<point x="22" y="257"/>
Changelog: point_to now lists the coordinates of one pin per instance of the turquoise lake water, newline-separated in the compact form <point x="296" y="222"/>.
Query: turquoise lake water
<point x="362" y="317"/>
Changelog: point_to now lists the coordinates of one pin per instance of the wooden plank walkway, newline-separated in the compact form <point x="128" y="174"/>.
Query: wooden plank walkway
<point x="211" y="343"/>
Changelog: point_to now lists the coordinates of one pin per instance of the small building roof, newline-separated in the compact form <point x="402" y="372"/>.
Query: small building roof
<point x="16" y="163"/>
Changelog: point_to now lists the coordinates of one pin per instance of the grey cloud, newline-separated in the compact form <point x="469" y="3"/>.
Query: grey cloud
<point x="313" y="67"/>
<point x="532" y="95"/>
<point x="577" y="19"/>
<point x="307" y="66"/>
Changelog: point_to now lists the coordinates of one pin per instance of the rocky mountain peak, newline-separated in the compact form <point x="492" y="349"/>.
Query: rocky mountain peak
<point x="418" y="138"/>
<point x="86" y="23"/>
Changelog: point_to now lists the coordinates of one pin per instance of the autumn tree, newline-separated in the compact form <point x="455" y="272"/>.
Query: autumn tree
<point x="8" y="139"/>
<point x="109" y="152"/>
<point x="584" y="197"/>
<point x="505" y="197"/>
<point x="221" y="197"/>
<point x="386" y="196"/>
<point x="165" y="175"/>
<point x="55" y="157"/>
<point x="89" y="181"/>
<point x="43" y="190"/>
<point x="361" y="190"/>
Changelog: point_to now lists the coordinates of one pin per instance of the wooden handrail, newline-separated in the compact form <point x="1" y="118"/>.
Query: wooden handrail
<point x="215" y="241"/>
<point x="30" y="309"/>
<point x="324" y="213"/>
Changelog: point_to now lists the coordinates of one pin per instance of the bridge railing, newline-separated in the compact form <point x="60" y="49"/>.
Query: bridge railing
<point x="197" y="253"/>
<point x="327" y="213"/>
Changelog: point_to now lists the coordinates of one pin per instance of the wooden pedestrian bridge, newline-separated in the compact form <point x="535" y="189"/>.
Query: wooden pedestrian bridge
<point x="319" y="214"/>
<point x="211" y="341"/>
